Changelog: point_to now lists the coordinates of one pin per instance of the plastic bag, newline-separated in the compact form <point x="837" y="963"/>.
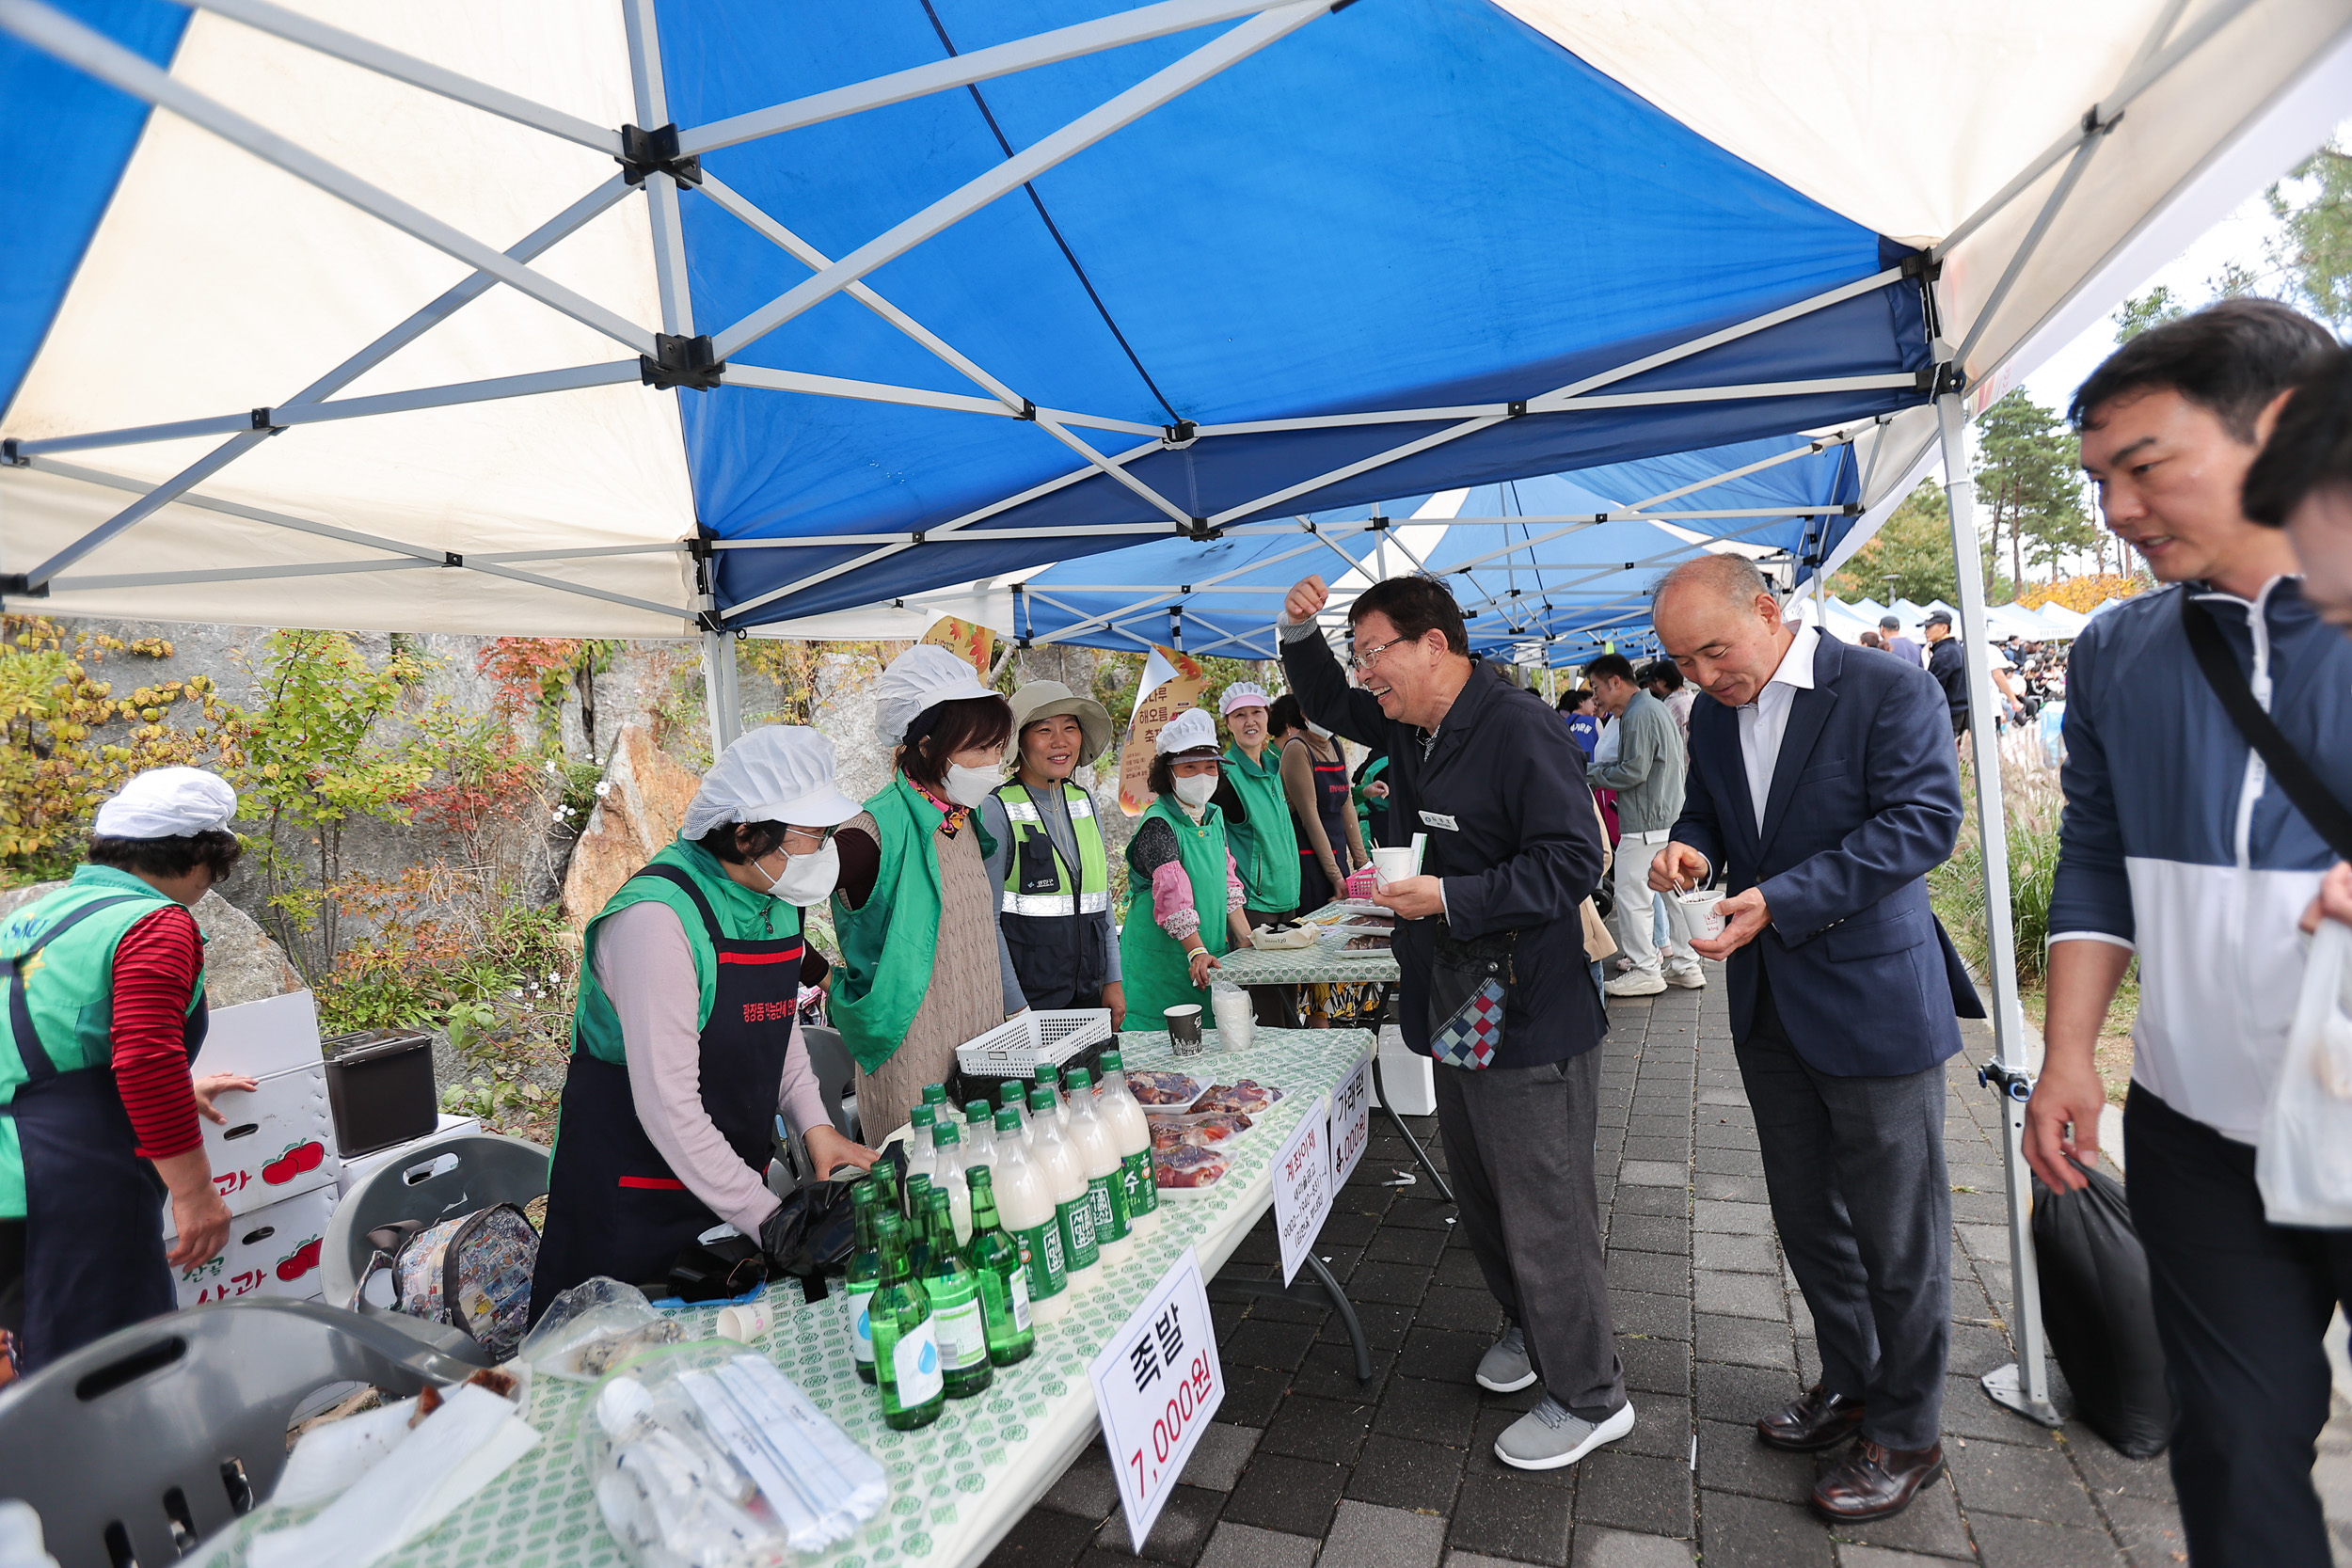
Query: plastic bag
<point x="705" y="1457"/>
<point x="2095" y="1307"/>
<point x="2304" y="1162"/>
<point x="593" y="1327"/>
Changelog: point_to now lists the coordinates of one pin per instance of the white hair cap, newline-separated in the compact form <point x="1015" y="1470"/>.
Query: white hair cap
<point x="1242" y="695"/>
<point x="781" y="773"/>
<point x="1190" y="731"/>
<point x="919" y="679"/>
<point x="167" y="802"/>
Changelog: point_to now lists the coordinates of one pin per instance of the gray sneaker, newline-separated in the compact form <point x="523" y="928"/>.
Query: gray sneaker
<point x="1505" y="1369"/>
<point x="1549" y="1436"/>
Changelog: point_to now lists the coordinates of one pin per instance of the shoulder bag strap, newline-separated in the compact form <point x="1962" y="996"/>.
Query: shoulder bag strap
<point x="2327" y="814"/>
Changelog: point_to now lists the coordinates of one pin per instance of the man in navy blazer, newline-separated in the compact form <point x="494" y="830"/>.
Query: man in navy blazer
<point x="1822" y="788"/>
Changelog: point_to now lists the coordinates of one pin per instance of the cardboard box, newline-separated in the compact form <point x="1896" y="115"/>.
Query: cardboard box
<point x="258" y="1039"/>
<point x="358" y="1170"/>
<point x="272" y="1251"/>
<point x="277" y="1143"/>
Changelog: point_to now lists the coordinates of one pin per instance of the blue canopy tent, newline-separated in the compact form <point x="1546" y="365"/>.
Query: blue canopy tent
<point x="661" y="318"/>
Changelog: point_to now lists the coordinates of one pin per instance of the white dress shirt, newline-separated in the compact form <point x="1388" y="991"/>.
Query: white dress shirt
<point x="1763" y="722"/>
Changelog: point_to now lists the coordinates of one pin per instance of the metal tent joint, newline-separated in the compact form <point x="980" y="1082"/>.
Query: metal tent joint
<point x="680" y="361"/>
<point x="1938" y="379"/>
<point x="1200" y="533"/>
<point x="1922" y="264"/>
<point x="263" y="419"/>
<point x="1181" y="434"/>
<point x="451" y="558"/>
<point x="644" y="152"/>
<point x="18" y="585"/>
<point x="10" y="458"/>
<point x="1516" y="407"/>
<point x="2008" y="1082"/>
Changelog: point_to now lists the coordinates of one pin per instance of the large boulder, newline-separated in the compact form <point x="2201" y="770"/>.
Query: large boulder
<point x="240" y="962"/>
<point x="644" y="798"/>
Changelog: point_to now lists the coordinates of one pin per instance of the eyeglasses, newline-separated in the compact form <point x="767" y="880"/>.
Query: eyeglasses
<point x="823" y="835"/>
<point x="1360" y="662"/>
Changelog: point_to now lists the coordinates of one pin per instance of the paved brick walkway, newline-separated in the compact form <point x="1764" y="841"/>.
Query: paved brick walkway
<point x="1303" y="1460"/>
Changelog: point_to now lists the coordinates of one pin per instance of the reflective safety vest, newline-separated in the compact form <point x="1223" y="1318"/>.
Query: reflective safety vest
<point x="1036" y="879"/>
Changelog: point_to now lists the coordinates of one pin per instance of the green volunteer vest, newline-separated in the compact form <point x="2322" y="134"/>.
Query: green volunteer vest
<point x="887" y="946"/>
<point x="1152" y="963"/>
<point x="1092" y="896"/>
<point x="747" y="916"/>
<point x="1266" y="847"/>
<point x="68" y="990"/>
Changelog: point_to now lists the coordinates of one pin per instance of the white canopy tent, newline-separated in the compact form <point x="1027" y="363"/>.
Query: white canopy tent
<point x="422" y="204"/>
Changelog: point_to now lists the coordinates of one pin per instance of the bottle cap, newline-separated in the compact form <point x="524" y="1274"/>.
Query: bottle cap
<point x="1007" y="1121"/>
<point x="1111" y="1062"/>
<point x="923" y="1116"/>
<point x="1010" y="1092"/>
<point x="946" y="1134"/>
<point x="1041" y="1099"/>
<point x="934" y="1094"/>
<point x="976" y="1110"/>
<point x="1047" y="1073"/>
<point x="977" y="1175"/>
<point x="1080" y="1078"/>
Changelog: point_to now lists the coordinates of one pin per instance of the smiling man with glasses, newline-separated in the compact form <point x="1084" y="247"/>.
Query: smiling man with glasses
<point x="1497" y="784"/>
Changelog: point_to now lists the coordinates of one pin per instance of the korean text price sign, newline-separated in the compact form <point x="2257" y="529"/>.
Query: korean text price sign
<point x="1302" y="1186"/>
<point x="1351" y="1120"/>
<point x="1156" y="1383"/>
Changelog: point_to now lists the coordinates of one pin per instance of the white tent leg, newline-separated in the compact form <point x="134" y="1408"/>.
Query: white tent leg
<point x="2024" y="1384"/>
<point x="721" y="697"/>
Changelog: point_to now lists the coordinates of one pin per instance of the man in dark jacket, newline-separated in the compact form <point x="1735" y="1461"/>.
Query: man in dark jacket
<point x="1498" y="783"/>
<point x="1949" y="666"/>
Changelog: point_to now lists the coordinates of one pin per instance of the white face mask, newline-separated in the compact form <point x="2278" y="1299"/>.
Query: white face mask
<point x="807" y="879"/>
<point x="969" y="786"/>
<point x="1196" y="789"/>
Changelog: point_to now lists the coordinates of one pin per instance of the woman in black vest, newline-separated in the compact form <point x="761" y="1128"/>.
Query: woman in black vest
<point x="1323" y="809"/>
<point x="1049" y="867"/>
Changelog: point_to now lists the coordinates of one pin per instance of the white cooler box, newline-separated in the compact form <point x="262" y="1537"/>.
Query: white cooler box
<point x="272" y="1251"/>
<point x="1410" y="1081"/>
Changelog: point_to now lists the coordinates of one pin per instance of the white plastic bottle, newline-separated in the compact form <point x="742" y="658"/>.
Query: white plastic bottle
<point x="1131" y="1134"/>
<point x="920" y="1121"/>
<point x="948" y="1175"/>
<point x="979" y="1133"/>
<point x="1049" y="1077"/>
<point x="1098" y="1156"/>
<point x="1025" y="1203"/>
<point x="1074" y="1206"/>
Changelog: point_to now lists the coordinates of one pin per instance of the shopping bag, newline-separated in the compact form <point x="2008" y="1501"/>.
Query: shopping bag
<point x="2304" y="1162"/>
<point x="2095" y="1307"/>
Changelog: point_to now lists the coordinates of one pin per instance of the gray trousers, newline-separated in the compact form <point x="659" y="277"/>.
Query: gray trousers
<point x="1855" y="1168"/>
<point x="1526" y="1133"/>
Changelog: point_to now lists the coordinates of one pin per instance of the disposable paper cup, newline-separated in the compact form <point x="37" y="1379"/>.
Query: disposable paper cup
<point x="1391" y="865"/>
<point x="1236" y="1017"/>
<point x="1702" y="908"/>
<point x="746" y="1324"/>
<point x="1184" y="1029"/>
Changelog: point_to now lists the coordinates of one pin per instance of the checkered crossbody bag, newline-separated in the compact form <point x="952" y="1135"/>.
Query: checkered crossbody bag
<point x="1469" y="987"/>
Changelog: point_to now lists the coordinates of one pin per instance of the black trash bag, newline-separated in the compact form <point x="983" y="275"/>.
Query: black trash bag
<point x="2095" y="1307"/>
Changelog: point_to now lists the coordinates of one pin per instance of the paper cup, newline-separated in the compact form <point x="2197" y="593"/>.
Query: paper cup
<point x="1391" y="865"/>
<point x="746" y="1324"/>
<point x="1184" y="1029"/>
<point x="1702" y="908"/>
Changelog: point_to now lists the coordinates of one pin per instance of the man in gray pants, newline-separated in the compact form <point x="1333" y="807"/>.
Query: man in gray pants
<point x="1646" y="772"/>
<point x="1496" y="783"/>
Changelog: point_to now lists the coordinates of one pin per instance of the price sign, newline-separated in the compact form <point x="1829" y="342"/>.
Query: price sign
<point x="1302" y="1185"/>
<point x="1156" y="1383"/>
<point x="1351" y="1120"/>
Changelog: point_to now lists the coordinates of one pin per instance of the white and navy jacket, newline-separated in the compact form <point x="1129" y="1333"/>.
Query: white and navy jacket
<point x="2177" y="844"/>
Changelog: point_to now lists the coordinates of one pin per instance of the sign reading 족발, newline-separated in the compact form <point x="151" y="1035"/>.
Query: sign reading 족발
<point x="1156" y="1383"/>
<point x="1302" y="1185"/>
<point x="1351" y="1120"/>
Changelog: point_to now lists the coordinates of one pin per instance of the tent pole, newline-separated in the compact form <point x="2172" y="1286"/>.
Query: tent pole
<point x="722" y="696"/>
<point x="2024" y="1384"/>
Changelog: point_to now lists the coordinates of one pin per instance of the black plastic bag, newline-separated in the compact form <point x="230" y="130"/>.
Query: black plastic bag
<point x="2095" y="1305"/>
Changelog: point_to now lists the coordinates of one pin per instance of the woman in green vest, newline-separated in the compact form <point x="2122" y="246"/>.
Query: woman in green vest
<point x="1259" y="834"/>
<point x="924" y="968"/>
<point x="104" y="983"/>
<point x="1052" y="877"/>
<point x="685" y="1040"/>
<point x="1186" y="904"/>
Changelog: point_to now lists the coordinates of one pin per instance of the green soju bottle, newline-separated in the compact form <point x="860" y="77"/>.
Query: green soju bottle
<point x="863" y="1278"/>
<point x="906" y="1355"/>
<point x="918" y="1222"/>
<point x="957" y="1323"/>
<point x="996" y="1258"/>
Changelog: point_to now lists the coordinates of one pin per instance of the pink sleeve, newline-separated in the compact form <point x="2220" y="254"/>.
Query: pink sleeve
<point x="646" y="968"/>
<point x="1171" y="900"/>
<point x="800" y="1098"/>
<point x="1232" y="882"/>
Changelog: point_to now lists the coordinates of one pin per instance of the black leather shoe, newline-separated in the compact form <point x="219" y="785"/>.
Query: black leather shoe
<point x="1819" y="1420"/>
<point x="1871" y="1483"/>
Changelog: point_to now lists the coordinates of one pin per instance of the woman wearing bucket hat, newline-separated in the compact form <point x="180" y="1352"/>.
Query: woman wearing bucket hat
<point x="1179" y="860"/>
<point x="685" y="1040"/>
<point x="104" y="979"/>
<point x="1048" y="866"/>
<point x="923" y="966"/>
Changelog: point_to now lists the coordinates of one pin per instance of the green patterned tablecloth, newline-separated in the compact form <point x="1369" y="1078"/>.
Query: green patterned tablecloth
<point x="958" y="1485"/>
<point x="1298" y="966"/>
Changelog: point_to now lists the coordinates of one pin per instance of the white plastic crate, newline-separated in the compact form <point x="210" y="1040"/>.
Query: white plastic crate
<point x="1019" y="1046"/>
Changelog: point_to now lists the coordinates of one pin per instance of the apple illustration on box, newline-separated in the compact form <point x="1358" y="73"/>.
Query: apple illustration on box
<point x="301" y="1261"/>
<point x="299" y="1159"/>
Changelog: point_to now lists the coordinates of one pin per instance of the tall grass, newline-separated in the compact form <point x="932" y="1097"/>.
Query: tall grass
<point x="1956" y="888"/>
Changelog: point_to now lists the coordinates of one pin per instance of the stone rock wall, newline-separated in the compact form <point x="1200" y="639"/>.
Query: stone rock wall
<point x="644" y="799"/>
<point x="241" y="963"/>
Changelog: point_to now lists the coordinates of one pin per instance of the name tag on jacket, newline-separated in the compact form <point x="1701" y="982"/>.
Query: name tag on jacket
<point x="1439" y="819"/>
